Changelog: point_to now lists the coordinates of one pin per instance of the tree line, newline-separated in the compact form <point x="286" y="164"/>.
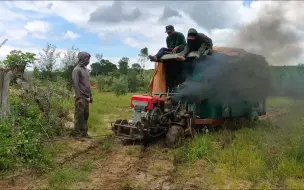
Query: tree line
<point x="51" y="64"/>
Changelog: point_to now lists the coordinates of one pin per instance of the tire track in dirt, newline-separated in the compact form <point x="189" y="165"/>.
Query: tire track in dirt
<point x="128" y="168"/>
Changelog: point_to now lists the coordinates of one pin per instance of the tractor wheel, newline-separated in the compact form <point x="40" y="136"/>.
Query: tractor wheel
<point x="253" y="117"/>
<point x="175" y="136"/>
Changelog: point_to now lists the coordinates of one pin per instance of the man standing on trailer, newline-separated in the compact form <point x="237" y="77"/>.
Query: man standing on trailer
<point x="175" y="44"/>
<point x="83" y="95"/>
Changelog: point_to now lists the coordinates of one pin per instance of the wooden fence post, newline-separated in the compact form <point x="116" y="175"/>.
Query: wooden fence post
<point x="5" y="78"/>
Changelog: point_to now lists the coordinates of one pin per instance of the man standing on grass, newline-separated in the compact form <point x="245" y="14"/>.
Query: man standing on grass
<point x="83" y="95"/>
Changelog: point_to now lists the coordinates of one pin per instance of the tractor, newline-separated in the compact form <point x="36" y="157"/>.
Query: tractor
<point x="160" y="115"/>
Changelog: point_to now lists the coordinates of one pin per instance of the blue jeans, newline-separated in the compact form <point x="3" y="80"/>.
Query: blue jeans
<point x="164" y="51"/>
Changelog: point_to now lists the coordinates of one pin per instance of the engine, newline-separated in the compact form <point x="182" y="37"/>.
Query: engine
<point x="152" y="117"/>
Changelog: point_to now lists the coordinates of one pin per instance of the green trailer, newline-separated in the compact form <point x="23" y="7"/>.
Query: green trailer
<point x="208" y="113"/>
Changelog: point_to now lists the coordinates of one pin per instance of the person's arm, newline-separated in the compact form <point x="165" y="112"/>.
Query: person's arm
<point x="75" y="78"/>
<point x="203" y="41"/>
<point x="201" y="49"/>
<point x="186" y="51"/>
<point x="91" y="97"/>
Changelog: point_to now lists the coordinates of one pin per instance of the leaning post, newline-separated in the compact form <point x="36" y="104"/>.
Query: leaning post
<point x="5" y="78"/>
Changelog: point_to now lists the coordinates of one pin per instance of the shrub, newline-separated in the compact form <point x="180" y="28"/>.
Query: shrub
<point x="120" y="86"/>
<point x="105" y="83"/>
<point x="36" y="115"/>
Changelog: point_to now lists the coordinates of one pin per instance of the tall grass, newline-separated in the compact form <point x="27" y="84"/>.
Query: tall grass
<point x="268" y="156"/>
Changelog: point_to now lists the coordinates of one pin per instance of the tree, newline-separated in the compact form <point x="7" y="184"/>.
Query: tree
<point x="17" y="61"/>
<point x="107" y="67"/>
<point x="133" y="80"/>
<point x="120" y="86"/>
<point x="36" y="72"/>
<point x="136" y="66"/>
<point x="123" y="65"/>
<point x="103" y="67"/>
<point x="47" y="60"/>
<point x="143" y="57"/>
<point x="96" y="68"/>
<point x="69" y="61"/>
<point x="70" y="58"/>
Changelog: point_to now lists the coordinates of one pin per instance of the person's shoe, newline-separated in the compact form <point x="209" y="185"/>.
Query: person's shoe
<point x="152" y="58"/>
<point x="75" y="134"/>
<point x="79" y="137"/>
<point x="87" y="136"/>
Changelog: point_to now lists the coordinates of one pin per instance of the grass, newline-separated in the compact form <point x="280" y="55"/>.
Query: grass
<point x="105" y="109"/>
<point x="279" y="102"/>
<point x="67" y="178"/>
<point x="264" y="157"/>
<point x="271" y="155"/>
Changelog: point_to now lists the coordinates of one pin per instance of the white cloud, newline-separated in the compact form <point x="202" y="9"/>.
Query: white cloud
<point x="37" y="26"/>
<point x="8" y="15"/>
<point x="15" y="34"/>
<point x="220" y="20"/>
<point x="70" y="35"/>
<point x="131" y="42"/>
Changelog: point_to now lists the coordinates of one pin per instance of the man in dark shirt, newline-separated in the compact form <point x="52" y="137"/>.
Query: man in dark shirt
<point x="175" y="43"/>
<point x="83" y="95"/>
<point x="195" y="42"/>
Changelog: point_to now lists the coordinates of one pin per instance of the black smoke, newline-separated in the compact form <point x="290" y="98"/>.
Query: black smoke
<point x="271" y="34"/>
<point x="274" y="40"/>
<point x="227" y="79"/>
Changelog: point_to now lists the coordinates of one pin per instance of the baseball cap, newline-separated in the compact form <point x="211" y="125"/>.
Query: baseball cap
<point x="169" y="28"/>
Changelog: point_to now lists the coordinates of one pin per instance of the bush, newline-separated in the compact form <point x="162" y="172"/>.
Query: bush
<point x="120" y="86"/>
<point x="36" y="115"/>
<point x="105" y="83"/>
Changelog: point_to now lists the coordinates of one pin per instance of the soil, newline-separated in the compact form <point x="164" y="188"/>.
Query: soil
<point x="274" y="114"/>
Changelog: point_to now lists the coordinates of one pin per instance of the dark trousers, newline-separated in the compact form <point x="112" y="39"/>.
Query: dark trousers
<point x="164" y="51"/>
<point x="81" y="116"/>
<point x="188" y="67"/>
<point x="174" y="75"/>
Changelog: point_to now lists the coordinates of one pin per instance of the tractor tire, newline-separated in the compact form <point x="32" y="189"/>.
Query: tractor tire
<point x="175" y="136"/>
<point x="253" y="116"/>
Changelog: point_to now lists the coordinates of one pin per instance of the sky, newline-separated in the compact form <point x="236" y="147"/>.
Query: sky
<point x="121" y="28"/>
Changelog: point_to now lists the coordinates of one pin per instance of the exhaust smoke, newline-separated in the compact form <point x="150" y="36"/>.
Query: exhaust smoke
<point x="270" y="38"/>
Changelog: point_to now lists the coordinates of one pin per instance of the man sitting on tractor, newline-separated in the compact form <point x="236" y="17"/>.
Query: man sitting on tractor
<point x="198" y="42"/>
<point x="175" y="44"/>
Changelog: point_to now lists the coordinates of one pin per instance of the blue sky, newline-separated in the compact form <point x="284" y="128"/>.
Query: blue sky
<point x="90" y="41"/>
<point x="87" y="41"/>
<point x="121" y="29"/>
